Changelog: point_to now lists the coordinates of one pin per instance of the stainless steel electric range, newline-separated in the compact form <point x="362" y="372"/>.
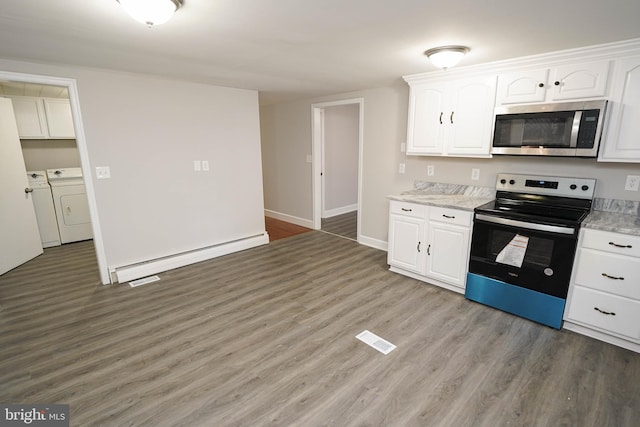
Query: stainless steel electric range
<point x="524" y="242"/>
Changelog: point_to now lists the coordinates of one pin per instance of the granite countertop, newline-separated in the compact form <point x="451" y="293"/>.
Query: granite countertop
<point x="462" y="197"/>
<point x="613" y="221"/>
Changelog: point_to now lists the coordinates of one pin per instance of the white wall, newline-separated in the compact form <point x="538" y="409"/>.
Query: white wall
<point x="341" y="125"/>
<point x="41" y="154"/>
<point x="385" y="121"/>
<point x="149" y="131"/>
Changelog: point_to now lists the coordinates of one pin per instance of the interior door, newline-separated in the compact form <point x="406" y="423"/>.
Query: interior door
<point x="20" y="240"/>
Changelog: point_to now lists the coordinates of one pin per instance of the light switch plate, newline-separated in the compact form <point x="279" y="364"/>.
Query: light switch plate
<point x="103" y="172"/>
<point x="403" y="147"/>
<point x="205" y="165"/>
<point x="197" y="165"/>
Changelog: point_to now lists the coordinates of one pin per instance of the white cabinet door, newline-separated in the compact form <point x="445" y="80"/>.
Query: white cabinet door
<point x="471" y="117"/>
<point x="425" y="131"/>
<point x="452" y="118"/>
<point x="575" y="81"/>
<point x="621" y="141"/>
<point x="30" y="118"/>
<point x="565" y="82"/>
<point x="59" y="119"/>
<point x="522" y="86"/>
<point x="406" y="243"/>
<point x="448" y="253"/>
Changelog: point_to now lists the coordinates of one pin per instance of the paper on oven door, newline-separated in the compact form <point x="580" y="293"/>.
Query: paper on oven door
<point x="513" y="253"/>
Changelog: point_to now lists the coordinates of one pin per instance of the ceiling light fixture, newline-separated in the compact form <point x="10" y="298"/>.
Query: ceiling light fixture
<point x="446" y="56"/>
<point x="151" y="12"/>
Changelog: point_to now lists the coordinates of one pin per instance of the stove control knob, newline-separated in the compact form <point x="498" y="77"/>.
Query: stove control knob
<point x="585" y="187"/>
<point x="503" y="181"/>
<point x="512" y="181"/>
<point x="573" y="186"/>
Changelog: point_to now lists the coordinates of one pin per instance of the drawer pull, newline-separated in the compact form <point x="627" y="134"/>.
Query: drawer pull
<point x="407" y="210"/>
<point x="612" y="277"/>
<point x="608" y="313"/>
<point x="449" y="216"/>
<point x="620" y="246"/>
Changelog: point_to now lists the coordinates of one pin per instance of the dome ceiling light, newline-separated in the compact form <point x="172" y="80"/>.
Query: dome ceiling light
<point x="446" y="56"/>
<point x="151" y="12"/>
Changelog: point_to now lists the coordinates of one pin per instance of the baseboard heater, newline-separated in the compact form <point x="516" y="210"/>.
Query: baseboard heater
<point x="158" y="265"/>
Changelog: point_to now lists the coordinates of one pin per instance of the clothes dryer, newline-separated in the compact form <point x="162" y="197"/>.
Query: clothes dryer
<point x="70" y="201"/>
<point x="45" y="211"/>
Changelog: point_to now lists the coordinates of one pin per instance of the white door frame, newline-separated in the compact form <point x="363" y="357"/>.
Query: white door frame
<point x="317" y="146"/>
<point x="81" y="143"/>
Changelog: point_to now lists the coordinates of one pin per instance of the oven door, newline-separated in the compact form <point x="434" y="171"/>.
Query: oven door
<point x="530" y="255"/>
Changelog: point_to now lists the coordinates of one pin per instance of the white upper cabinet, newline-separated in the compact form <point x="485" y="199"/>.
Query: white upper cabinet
<point x="561" y="83"/>
<point x="59" y="119"/>
<point x="451" y="118"/>
<point x="43" y="118"/>
<point x="621" y="140"/>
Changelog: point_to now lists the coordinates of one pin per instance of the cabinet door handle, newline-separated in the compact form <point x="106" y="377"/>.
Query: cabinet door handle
<point x="540" y="84"/>
<point x="449" y="216"/>
<point x="612" y="277"/>
<point x="608" y="313"/>
<point x="620" y="246"/>
<point x="419" y="246"/>
<point x="429" y="249"/>
<point x="451" y="117"/>
<point x="557" y="83"/>
<point x="407" y="210"/>
<point x="441" y="113"/>
<point x="28" y="190"/>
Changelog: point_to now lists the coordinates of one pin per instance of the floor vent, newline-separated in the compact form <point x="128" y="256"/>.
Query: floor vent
<point x="144" y="281"/>
<point x="380" y="344"/>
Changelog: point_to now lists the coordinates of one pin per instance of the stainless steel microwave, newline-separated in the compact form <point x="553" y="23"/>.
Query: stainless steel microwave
<point x="571" y="129"/>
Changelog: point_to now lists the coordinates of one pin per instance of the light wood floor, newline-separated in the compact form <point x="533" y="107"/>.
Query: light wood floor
<point x="345" y="225"/>
<point x="266" y="337"/>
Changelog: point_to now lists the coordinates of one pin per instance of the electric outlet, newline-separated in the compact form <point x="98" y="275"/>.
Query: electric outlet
<point x="103" y="172"/>
<point x="633" y="183"/>
<point x="430" y="170"/>
<point x="401" y="168"/>
<point x="475" y="174"/>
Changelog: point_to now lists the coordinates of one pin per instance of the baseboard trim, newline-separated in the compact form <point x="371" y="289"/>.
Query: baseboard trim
<point x="289" y="218"/>
<point x="373" y="243"/>
<point x="144" y="269"/>
<point x="339" y="211"/>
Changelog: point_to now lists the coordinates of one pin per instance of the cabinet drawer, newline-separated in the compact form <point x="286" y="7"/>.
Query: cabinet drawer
<point x="623" y="244"/>
<point x="408" y="209"/>
<point x="450" y="216"/>
<point x="607" y="272"/>
<point x="590" y="307"/>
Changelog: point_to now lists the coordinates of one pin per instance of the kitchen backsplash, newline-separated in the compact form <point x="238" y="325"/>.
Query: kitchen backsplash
<point x="626" y="207"/>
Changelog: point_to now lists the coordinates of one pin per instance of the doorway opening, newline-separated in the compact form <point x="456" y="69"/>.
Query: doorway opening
<point x="60" y="146"/>
<point x="337" y="141"/>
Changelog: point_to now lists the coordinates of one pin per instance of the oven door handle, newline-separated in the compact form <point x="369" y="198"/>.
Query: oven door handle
<point x="527" y="225"/>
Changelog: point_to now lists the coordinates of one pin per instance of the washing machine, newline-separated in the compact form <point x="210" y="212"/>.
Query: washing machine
<point x="45" y="211"/>
<point x="70" y="201"/>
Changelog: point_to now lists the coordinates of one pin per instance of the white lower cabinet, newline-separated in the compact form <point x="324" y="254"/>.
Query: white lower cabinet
<point x="604" y="297"/>
<point x="430" y="243"/>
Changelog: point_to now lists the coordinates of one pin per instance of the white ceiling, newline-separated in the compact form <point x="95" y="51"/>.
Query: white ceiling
<point x="290" y="49"/>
